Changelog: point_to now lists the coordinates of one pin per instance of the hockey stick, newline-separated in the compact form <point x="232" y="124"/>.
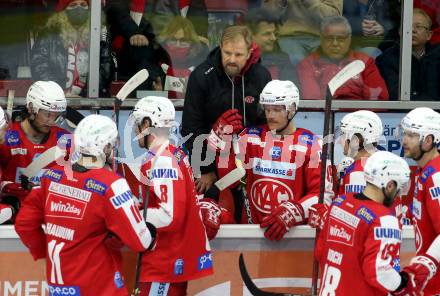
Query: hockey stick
<point x="348" y="72"/>
<point x="46" y="158"/>
<point x="10" y="104"/>
<point x="250" y="285"/>
<point x="73" y="117"/>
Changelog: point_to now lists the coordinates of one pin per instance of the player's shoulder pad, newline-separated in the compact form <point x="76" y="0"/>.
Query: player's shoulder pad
<point x="434" y="191"/>
<point x="121" y="193"/>
<point x="366" y="214"/>
<point x="53" y="175"/>
<point x="96" y="186"/>
<point x="12" y="137"/>
<point x="426" y="173"/>
<point x="306" y="137"/>
<point x="164" y="168"/>
<point x="388" y="228"/>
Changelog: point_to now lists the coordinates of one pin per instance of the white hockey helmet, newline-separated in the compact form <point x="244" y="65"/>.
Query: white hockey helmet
<point x="422" y="121"/>
<point x="383" y="166"/>
<point x="363" y="122"/>
<point x="93" y="133"/>
<point x="280" y="92"/>
<point x="160" y="110"/>
<point x="3" y="118"/>
<point x="46" y="95"/>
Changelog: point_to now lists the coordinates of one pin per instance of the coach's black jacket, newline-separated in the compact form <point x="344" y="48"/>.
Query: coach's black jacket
<point x="210" y="91"/>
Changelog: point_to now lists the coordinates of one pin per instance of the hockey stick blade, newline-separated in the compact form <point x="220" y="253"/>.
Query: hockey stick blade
<point x="250" y="285"/>
<point x="46" y="158"/>
<point x="132" y="84"/>
<point x="232" y="177"/>
<point x="73" y="117"/>
<point x="348" y="72"/>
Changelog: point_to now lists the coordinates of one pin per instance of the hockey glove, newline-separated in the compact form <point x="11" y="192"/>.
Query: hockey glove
<point x="211" y="215"/>
<point x="406" y="288"/>
<point x="8" y="188"/>
<point x="228" y="123"/>
<point x="421" y="269"/>
<point x="317" y="215"/>
<point x="284" y="217"/>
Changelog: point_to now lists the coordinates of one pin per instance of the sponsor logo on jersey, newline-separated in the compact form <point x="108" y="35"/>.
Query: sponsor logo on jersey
<point x="54" y="175"/>
<point x="266" y="193"/>
<point x="178" y="267"/>
<point x="417" y="209"/>
<point x="365" y="214"/>
<point x="275" y="152"/>
<point x="344" y="216"/>
<point x="159" y="289"/>
<point x="340" y="232"/>
<point x="70" y="191"/>
<point x="63" y="139"/>
<point x="387" y="233"/>
<point x="59" y="206"/>
<point x="179" y="155"/>
<point x="339" y="200"/>
<point x="254" y="131"/>
<point x="119" y="200"/>
<point x="396" y="264"/>
<point x="12" y="138"/>
<point x="205" y="261"/>
<point x="306" y="139"/>
<point x="334" y="256"/>
<point x="64" y="291"/>
<point x="435" y="192"/>
<point x="18" y="151"/>
<point x="349" y="169"/>
<point x="117" y="279"/>
<point x="275" y="169"/>
<point x="426" y="174"/>
<point x="59" y="231"/>
<point x="164" y="174"/>
<point x="95" y="186"/>
<point x="354" y="188"/>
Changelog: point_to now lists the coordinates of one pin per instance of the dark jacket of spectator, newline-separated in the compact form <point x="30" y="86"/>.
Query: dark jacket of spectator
<point x="50" y="60"/>
<point x="210" y="91"/>
<point x="315" y="72"/>
<point x="279" y="66"/>
<point x="425" y="73"/>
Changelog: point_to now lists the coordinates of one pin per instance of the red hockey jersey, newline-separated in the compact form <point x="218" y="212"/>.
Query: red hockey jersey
<point x="78" y="215"/>
<point x="182" y="252"/>
<point x="359" y="248"/>
<point x="279" y="169"/>
<point x="353" y="181"/>
<point x="426" y="213"/>
<point x="17" y="152"/>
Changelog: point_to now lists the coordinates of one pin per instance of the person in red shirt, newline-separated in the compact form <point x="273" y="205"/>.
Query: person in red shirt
<point x="316" y="70"/>
<point x="282" y="165"/>
<point x="421" y="137"/>
<point x="26" y="140"/>
<point x="80" y="206"/>
<point x="358" y="248"/>
<point x="183" y="252"/>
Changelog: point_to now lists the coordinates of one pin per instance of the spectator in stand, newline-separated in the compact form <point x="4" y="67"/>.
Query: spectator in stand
<point x="134" y="45"/>
<point x="322" y="65"/>
<point x="184" y="51"/>
<point x="232" y="77"/>
<point x="370" y="21"/>
<point x="61" y="51"/>
<point x="425" y="62"/>
<point x="299" y="33"/>
<point x="432" y="8"/>
<point x="264" y="26"/>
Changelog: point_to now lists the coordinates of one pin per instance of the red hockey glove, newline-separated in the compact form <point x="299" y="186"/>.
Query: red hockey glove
<point x="228" y="123"/>
<point x="211" y="216"/>
<point x="8" y="188"/>
<point x="421" y="269"/>
<point x="406" y="288"/>
<point x="284" y="217"/>
<point x="318" y="215"/>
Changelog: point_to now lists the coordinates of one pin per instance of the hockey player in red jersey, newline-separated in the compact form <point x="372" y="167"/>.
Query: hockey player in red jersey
<point x="421" y="137"/>
<point x="79" y="211"/>
<point x="26" y="140"/>
<point x="282" y="165"/>
<point x="183" y="252"/>
<point x="359" y="245"/>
